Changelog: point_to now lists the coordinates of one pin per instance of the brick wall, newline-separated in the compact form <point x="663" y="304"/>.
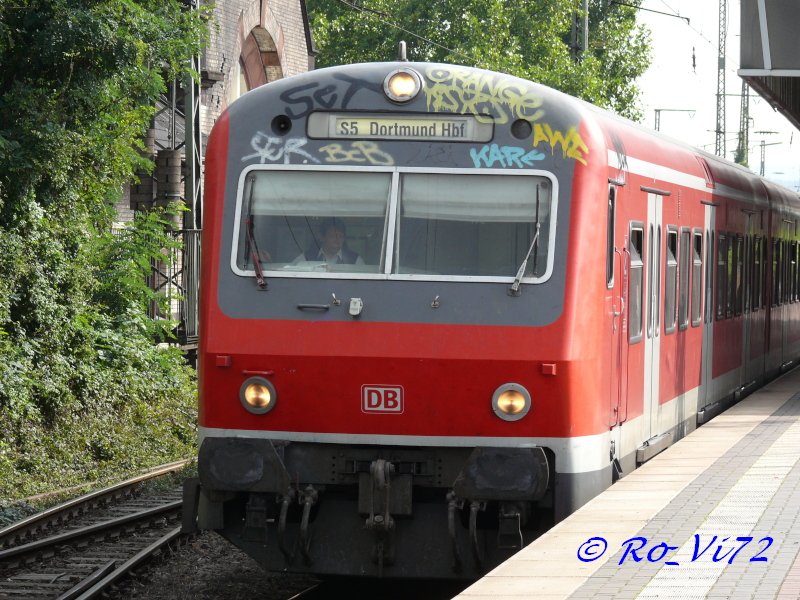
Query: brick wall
<point x="274" y="34"/>
<point x="279" y="27"/>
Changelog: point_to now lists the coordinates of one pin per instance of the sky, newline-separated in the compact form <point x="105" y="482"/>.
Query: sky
<point x="683" y="75"/>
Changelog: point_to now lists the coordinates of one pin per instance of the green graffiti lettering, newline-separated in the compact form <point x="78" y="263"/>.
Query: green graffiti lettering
<point x="487" y="96"/>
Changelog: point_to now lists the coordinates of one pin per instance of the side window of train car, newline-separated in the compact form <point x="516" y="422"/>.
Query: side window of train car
<point x="738" y="275"/>
<point x="670" y="279"/>
<point x="635" y="248"/>
<point x="795" y="263"/>
<point x="776" y="271"/>
<point x="731" y="275"/>
<point x="612" y="208"/>
<point x="683" y="276"/>
<point x="722" y="274"/>
<point x="697" y="279"/>
<point x="791" y="269"/>
<point x="709" y="295"/>
<point x="787" y="272"/>
<point x="756" y="288"/>
<point x="764" y="269"/>
<point x="782" y="274"/>
<point x="749" y="270"/>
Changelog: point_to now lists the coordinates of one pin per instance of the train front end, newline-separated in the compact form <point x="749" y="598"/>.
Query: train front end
<point x="387" y="383"/>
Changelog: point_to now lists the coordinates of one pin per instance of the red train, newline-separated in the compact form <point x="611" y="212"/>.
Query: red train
<point x="442" y="308"/>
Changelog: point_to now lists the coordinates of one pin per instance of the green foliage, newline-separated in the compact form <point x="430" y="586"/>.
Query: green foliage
<point x="83" y="386"/>
<point x="532" y="40"/>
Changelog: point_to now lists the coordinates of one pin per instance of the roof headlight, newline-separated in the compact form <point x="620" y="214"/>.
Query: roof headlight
<point x="402" y="85"/>
<point x="511" y="402"/>
<point x="258" y="395"/>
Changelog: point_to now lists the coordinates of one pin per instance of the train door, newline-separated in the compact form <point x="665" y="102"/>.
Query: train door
<point x="706" y="395"/>
<point x="616" y="282"/>
<point x="652" y="351"/>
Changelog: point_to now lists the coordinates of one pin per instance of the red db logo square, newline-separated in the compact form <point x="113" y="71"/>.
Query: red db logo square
<point x="382" y="399"/>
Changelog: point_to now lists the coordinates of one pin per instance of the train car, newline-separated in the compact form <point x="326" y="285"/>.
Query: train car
<point x="442" y="308"/>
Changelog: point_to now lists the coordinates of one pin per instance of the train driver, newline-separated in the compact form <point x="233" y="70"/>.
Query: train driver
<point x="331" y="245"/>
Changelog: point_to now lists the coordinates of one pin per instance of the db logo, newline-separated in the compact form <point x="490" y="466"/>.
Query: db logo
<point x="382" y="399"/>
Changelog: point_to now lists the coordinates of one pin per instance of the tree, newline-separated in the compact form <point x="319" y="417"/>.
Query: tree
<point x="79" y="369"/>
<point x="530" y="39"/>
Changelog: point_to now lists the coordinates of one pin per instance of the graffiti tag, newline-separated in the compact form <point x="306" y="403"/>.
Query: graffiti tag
<point x="478" y="93"/>
<point x="361" y="151"/>
<point x="272" y="149"/>
<point x="571" y="143"/>
<point x="301" y="100"/>
<point x="506" y="156"/>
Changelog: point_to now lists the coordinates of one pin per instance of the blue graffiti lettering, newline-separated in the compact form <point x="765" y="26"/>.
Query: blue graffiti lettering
<point x="506" y="156"/>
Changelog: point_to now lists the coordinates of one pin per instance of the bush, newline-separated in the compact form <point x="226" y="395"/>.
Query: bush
<point x="85" y="391"/>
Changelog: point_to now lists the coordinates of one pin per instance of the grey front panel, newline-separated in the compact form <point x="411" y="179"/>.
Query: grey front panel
<point x="254" y="141"/>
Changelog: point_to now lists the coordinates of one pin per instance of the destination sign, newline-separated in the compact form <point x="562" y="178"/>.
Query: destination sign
<point x="460" y="128"/>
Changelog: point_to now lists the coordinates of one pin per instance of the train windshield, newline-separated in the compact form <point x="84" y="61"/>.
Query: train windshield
<point x="397" y="224"/>
<point x="471" y="225"/>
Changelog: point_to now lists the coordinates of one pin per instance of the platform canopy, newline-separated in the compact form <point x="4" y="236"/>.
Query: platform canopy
<point x="770" y="53"/>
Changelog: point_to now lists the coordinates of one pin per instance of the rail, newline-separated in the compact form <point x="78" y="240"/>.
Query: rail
<point x="99" y="553"/>
<point x="14" y="533"/>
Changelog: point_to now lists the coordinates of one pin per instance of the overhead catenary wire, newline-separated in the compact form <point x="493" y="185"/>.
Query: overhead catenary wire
<point x="378" y="15"/>
<point x="676" y="13"/>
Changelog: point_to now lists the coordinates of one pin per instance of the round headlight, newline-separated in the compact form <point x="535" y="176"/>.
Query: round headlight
<point x="258" y="395"/>
<point x="402" y="85"/>
<point x="511" y="402"/>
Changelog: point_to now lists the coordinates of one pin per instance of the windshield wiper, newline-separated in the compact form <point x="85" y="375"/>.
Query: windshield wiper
<point x="251" y="240"/>
<point x="533" y="249"/>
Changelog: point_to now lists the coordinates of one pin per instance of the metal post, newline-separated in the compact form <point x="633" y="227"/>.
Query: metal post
<point x="192" y="218"/>
<point x="719" y="147"/>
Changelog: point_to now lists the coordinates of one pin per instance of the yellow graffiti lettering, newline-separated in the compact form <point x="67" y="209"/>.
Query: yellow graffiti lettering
<point x="361" y="151"/>
<point x="571" y="143"/>
<point x="373" y="153"/>
<point x="336" y="154"/>
<point x="487" y="96"/>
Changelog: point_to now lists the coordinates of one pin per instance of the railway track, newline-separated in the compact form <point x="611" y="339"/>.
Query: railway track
<point x="79" y="548"/>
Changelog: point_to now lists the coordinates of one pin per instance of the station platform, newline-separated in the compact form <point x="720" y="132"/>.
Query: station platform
<point x="716" y="515"/>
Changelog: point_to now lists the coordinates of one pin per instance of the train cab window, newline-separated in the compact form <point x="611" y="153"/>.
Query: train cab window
<point x="722" y="275"/>
<point x="394" y="224"/>
<point x="471" y="226"/>
<point x="312" y="221"/>
<point x="683" y="277"/>
<point x="635" y="248"/>
<point x="670" y="280"/>
<point x="697" y="277"/>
